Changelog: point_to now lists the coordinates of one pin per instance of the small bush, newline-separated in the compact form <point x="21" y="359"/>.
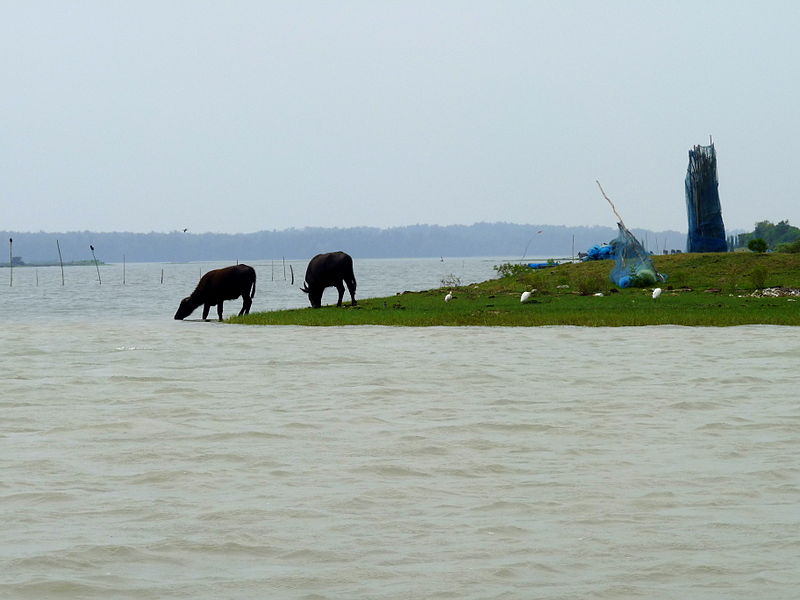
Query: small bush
<point x="537" y="280"/>
<point x="512" y="269"/>
<point x="590" y="284"/>
<point x="730" y="281"/>
<point x="451" y="281"/>
<point x="790" y="247"/>
<point x="757" y="245"/>
<point x="758" y="278"/>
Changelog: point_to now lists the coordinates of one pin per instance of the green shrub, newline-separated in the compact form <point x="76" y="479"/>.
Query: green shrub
<point x="757" y="245"/>
<point x="512" y="269"/>
<point x="542" y="282"/>
<point x="451" y="281"/>
<point x="590" y="284"/>
<point x="790" y="247"/>
<point x="758" y="278"/>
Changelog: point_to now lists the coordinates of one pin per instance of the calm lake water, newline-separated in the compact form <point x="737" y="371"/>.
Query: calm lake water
<point x="146" y="458"/>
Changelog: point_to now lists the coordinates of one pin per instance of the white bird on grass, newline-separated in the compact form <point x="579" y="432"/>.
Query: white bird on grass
<point x="526" y="296"/>
<point x="448" y="297"/>
<point x="656" y="293"/>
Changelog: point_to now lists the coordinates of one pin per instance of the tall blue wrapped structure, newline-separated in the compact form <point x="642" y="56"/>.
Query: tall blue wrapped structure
<point x="706" y="229"/>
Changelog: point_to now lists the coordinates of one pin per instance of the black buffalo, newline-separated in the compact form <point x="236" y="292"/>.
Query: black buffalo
<point x="334" y="269"/>
<point x="219" y="285"/>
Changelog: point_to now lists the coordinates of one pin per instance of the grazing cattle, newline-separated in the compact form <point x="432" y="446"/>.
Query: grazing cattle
<point x="333" y="269"/>
<point x="217" y="286"/>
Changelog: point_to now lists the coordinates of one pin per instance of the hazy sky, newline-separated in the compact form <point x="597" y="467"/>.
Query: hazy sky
<point x="239" y="116"/>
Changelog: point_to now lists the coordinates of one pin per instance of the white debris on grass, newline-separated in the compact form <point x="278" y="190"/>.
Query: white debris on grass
<point x="776" y="292"/>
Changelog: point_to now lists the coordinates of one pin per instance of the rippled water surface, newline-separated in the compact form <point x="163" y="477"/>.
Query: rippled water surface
<point x="146" y="458"/>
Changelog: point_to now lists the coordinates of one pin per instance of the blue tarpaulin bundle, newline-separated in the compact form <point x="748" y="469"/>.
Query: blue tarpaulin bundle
<point x="600" y="252"/>
<point x="706" y="229"/>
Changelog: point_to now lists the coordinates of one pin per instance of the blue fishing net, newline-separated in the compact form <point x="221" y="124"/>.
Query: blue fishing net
<point x="706" y="229"/>
<point x="633" y="265"/>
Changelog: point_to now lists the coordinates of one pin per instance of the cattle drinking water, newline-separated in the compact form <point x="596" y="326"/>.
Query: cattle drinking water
<point x="219" y="285"/>
<point x="333" y="269"/>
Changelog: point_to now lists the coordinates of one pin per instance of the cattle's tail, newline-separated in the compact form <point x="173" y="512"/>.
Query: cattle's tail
<point x="253" y="290"/>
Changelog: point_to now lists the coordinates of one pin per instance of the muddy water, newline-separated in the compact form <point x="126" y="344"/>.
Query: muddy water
<point x="146" y="458"/>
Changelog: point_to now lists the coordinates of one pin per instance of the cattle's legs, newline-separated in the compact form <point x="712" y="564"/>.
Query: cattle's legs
<point x="219" y="310"/>
<point x="246" y="305"/>
<point x="351" y="287"/>
<point x="206" y="308"/>
<point x="340" y="289"/>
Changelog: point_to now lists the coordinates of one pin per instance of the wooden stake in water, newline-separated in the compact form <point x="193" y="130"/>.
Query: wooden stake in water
<point x="162" y="275"/>
<point x="284" y="268"/>
<point x="96" y="266"/>
<point x="10" y="262"/>
<point x="123" y="269"/>
<point x="60" y="261"/>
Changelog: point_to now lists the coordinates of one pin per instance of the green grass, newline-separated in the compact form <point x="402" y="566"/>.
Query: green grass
<point x="702" y="290"/>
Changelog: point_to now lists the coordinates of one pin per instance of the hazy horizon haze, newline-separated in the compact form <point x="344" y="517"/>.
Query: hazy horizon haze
<point x="258" y="116"/>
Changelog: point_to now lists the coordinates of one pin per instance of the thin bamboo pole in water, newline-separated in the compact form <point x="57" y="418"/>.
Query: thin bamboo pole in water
<point x="96" y="265"/>
<point x="60" y="261"/>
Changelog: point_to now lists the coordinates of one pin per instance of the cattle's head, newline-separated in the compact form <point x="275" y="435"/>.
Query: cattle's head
<point x="314" y="296"/>
<point x="185" y="309"/>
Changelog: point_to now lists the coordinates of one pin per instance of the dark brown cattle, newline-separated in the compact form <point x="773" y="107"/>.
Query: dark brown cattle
<point x="217" y="286"/>
<point x="333" y="269"/>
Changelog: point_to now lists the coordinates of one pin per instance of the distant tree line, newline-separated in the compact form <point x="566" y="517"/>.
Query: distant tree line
<point x="781" y="237"/>
<point x="480" y="239"/>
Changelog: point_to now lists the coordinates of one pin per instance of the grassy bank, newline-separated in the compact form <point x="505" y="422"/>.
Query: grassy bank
<point x="702" y="289"/>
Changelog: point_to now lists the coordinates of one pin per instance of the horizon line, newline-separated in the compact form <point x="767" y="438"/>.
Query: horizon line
<point x="338" y="228"/>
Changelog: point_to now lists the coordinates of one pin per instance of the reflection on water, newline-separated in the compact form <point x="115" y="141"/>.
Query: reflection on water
<point x="142" y="457"/>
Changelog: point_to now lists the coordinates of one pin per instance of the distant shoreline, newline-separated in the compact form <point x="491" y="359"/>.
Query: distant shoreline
<point x="420" y="241"/>
<point x="73" y="263"/>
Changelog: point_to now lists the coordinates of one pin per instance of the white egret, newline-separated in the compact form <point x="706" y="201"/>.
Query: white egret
<point x="656" y="293"/>
<point x="525" y="296"/>
<point x="448" y="297"/>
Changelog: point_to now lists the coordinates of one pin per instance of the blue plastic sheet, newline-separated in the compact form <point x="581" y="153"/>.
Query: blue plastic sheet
<point x="600" y="252"/>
